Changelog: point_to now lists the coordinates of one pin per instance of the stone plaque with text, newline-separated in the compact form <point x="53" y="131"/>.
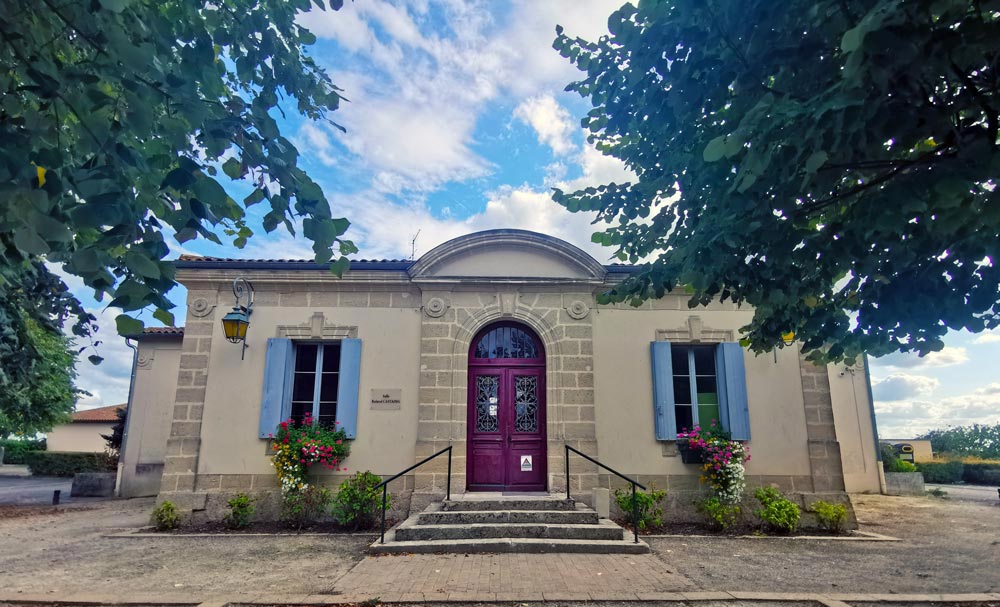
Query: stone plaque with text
<point x="387" y="399"/>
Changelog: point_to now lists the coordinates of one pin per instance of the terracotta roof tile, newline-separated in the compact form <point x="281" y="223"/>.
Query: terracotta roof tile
<point x="101" y="414"/>
<point x="163" y="331"/>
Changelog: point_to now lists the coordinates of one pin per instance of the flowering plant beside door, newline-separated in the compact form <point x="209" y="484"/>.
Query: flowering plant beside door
<point x="297" y="447"/>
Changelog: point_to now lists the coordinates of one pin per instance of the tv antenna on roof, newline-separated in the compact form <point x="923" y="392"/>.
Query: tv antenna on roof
<point x="413" y="245"/>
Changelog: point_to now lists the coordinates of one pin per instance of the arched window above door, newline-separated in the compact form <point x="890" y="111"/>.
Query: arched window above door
<point x="506" y="341"/>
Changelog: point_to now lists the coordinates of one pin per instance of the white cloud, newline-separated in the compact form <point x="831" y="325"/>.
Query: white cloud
<point x="948" y="357"/>
<point x="107" y="382"/>
<point x="901" y="386"/>
<point x="909" y="418"/>
<point x="987" y="337"/>
<point x="549" y="119"/>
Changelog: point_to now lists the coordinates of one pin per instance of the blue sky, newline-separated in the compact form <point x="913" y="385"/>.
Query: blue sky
<point x="458" y="122"/>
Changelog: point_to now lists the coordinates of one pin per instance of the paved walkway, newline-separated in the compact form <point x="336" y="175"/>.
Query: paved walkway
<point x="510" y="577"/>
<point x="972" y="493"/>
<point x="35" y="490"/>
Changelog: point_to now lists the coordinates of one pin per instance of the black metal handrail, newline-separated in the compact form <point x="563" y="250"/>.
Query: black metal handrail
<point x="635" y="483"/>
<point x="384" y="485"/>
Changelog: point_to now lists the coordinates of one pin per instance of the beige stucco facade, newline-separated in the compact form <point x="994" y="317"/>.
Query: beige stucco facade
<point x="810" y="426"/>
<point x="84" y="437"/>
<point x="150" y="412"/>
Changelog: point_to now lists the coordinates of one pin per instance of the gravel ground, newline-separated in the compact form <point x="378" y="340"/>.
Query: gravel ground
<point x="66" y="552"/>
<point x="948" y="546"/>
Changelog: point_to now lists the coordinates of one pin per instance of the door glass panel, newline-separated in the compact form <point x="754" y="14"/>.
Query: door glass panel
<point x="487" y="403"/>
<point x="526" y="403"/>
<point x="506" y="342"/>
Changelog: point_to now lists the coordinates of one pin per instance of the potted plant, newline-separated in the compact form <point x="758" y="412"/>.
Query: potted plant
<point x="693" y="444"/>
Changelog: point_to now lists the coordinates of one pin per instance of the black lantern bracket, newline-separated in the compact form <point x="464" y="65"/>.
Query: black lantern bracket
<point x="236" y="323"/>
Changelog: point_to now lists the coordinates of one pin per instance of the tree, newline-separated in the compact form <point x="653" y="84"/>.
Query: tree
<point x="981" y="440"/>
<point x="832" y="163"/>
<point x="116" y="438"/>
<point x="116" y="117"/>
<point x="48" y="398"/>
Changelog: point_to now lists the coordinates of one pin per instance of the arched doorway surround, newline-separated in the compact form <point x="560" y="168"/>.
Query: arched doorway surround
<point x="506" y="429"/>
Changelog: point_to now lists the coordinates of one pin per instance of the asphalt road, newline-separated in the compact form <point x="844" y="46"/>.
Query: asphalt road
<point x="33" y="489"/>
<point x="971" y="493"/>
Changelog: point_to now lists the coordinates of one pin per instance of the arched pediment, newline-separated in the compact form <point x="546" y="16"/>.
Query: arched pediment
<point x="509" y="254"/>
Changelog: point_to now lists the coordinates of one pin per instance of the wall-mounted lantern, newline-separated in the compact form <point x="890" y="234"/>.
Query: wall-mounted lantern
<point x="788" y="337"/>
<point x="235" y="323"/>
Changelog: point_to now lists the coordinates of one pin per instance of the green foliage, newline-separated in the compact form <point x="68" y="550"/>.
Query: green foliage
<point x="241" y="508"/>
<point x="980" y="473"/>
<point x="648" y="511"/>
<point x="116" y="118"/>
<point x="937" y="492"/>
<point x="831" y="163"/>
<point x="44" y="394"/>
<point x="981" y="440"/>
<point x="165" y="517"/>
<point x="898" y="465"/>
<point x="832" y="517"/>
<point x="719" y="514"/>
<point x="357" y="503"/>
<point x="114" y="440"/>
<point x="941" y="472"/>
<point x="304" y="507"/>
<point x="778" y="513"/>
<point x="15" y="450"/>
<point x="68" y="463"/>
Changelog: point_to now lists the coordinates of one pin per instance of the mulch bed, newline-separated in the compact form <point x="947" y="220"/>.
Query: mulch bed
<point x="700" y="529"/>
<point x="271" y="527"/>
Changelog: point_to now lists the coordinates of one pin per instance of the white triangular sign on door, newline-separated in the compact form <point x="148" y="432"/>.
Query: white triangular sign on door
<point x="525" y="463"/>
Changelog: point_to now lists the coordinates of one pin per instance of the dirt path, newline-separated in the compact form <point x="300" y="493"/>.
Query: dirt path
<point x="949" y="546"/>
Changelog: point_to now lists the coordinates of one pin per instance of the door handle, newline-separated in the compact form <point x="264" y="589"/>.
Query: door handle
<point x="510" y="438"/>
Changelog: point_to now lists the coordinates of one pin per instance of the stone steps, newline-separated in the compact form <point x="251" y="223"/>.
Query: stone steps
<point x="508" y="524"/>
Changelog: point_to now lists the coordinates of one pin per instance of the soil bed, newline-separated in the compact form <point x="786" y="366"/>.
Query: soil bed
<point x="735" y="530"/>
<point x="269" y="527"/>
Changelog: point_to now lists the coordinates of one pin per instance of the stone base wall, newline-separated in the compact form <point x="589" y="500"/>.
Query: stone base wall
<point x="904" y="483"/>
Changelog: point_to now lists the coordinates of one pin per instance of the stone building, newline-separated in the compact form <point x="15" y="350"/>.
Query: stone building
<point x="491" y="343"/>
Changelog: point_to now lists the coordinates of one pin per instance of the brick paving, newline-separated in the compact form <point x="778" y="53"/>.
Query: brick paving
<point x="511" y="577"/>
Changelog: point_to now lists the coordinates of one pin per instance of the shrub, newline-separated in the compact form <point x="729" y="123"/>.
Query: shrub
<point x="240" y="511"/>
<point x="358" y="503"/>
<point x="981" y="473"/>
<point x="305" y="506"/>
<point x="647" y="506"/>
<point x="16" y="450"/>
<point x="832" y="517"/>
<point x="165" y="517"/>
<point x="898" y="465"/>
<point x="58" y="463"/>
<point x="778" y="512"/>
<point x="719" y="514"/>
<point x="941" y="472"/>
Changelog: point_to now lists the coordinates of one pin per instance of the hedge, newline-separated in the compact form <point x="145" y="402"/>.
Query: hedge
<point x="15" y="450"/>
<point x="941" y="472"/>
<point x="65" y="463"/>
<point x="982" y="474"/>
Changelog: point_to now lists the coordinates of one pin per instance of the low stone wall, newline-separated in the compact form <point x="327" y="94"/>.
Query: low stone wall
<point x="93" y="484"/>
<point x="904" y="483"/>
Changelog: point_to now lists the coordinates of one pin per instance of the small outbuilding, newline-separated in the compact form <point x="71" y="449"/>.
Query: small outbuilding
<point x="84" y="432"/>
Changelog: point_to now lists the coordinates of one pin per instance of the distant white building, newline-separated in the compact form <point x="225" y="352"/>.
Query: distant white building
<point x="84" y="432"/>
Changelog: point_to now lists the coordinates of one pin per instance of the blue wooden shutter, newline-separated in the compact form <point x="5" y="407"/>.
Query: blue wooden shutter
<point x="732" y="380"/>
<point x="663" y="391"/>
<point x="278" y="369"/>
<point x="349" y="383"/>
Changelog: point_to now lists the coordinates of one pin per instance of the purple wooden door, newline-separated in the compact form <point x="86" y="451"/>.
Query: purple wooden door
<point x="506" y="420"/>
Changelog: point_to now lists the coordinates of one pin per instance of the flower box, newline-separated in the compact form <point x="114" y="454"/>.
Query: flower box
<point x="690" y="455"/>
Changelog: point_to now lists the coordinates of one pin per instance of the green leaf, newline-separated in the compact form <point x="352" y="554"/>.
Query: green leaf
<point x="715" y="149"/>
<point x="209" y="191"/>
<point x="164" y="316"/>
<point x="142" y="264"/>
<point x="341" y="265"/>
<point x="127" y="325"/>
<point x="115" y="6"/>
<point x="29" y="242"/>
<point x="254" y="197"/>
<point x="233" y="168"/>
<point x="852" y="39"/>
<point x="815" y="161"/>
<point x="95" y="359"/>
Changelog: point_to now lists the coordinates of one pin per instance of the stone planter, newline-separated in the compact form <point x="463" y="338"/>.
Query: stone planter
<point x="904" y="483"/>
<point x="689" y="455"/>
<point x="93" y="484"/>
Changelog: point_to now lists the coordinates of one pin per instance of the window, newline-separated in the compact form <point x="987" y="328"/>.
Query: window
<point x="696" y="396"/>
<point x="314" y="387"/>
<point x="694" y="384"/>
<point x="506" y="341"/>
<point x="321" y="378"/>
